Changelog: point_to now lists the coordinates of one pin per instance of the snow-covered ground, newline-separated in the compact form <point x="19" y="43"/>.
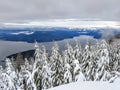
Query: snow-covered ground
<point x="89" y="86"/>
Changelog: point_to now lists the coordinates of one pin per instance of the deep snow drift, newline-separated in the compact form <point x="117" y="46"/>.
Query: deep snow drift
<point x="89" y="86"/>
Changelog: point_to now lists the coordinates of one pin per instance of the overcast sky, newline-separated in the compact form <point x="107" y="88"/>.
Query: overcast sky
<point x="19" y="10"/>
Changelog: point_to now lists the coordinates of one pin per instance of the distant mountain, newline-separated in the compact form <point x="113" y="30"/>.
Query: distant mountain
<point x="45" y="34"/>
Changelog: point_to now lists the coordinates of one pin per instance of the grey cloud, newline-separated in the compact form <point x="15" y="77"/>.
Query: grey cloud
<point x="16" y="10"/>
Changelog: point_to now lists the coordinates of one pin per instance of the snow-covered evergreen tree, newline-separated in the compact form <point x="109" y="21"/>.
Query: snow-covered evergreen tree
<point x="9" y="77"/>
<point x="38" y="65"/>
<point x="38" y="54"/>
<point x="27" y="65"/>
<point x="70" y="53"/>
<point x="2" y="84"/>
<point x="46" y="76"/>
<point x="46" y="71"/>
<point x="29" y="78"/>
<point x="86" y="61"/>
<point x="103" y="62"/>
<point x="76" y="70"/>
<point x="78" y="51"/>
<point x="67" y="73"/>
<point x="56" y="66"/>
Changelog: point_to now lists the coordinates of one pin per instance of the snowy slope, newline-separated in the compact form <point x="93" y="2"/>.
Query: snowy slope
<point x="89" y="86"/>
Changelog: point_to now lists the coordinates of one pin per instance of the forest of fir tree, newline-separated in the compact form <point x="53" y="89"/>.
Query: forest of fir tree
<point x="99" y="62"/>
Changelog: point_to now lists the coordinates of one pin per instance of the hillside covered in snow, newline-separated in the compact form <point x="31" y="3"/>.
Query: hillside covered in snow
<point x="89" y="86"/>
<point x="94" y="66"/>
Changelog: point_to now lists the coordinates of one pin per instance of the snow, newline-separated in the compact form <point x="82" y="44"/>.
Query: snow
<point x="89" y="86"/>
<point x="26" y="32"/>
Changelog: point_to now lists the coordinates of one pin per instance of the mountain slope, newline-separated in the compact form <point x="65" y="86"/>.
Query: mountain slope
<point x="45" y="34"/>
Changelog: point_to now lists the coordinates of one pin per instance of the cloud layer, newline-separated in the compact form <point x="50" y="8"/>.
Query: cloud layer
<point x="67" y="23"/>
<point x="18" y="10"/>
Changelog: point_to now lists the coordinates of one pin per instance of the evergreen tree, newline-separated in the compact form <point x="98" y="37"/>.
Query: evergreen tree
<point x="86" y="61"/>
<point x="9" y="77"/>
<point x="70" y="53"/>
<point x="19" y="61"/>
<point x="1" y="78"/>
<point x="46" y="71"/>
<point x="56" y="66"/>
<point x="46" y="76"/>
<point x="38" y="54"/>
<point x="78" y="52"/>
<point x="76" y="69"/>
<point x="29" y="78"/>
<point x="38" y="65"/>
<point x="103" y="62"/>
<point x="67" y="73"/>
